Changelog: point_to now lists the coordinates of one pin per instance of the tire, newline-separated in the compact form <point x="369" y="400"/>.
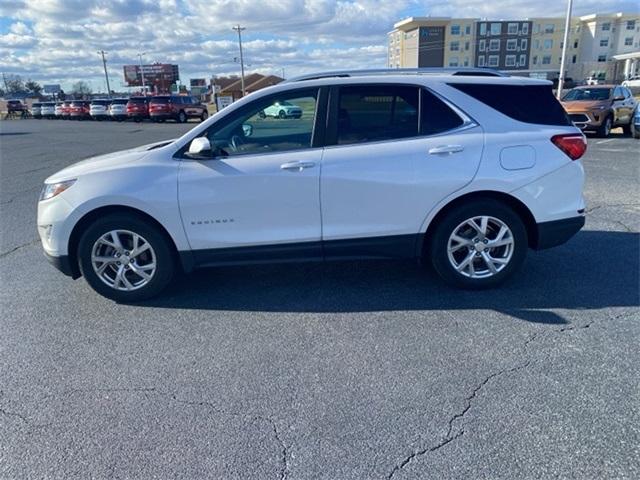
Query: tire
<point x="635" y="132"/>
<point x="262" y="115"/>
<point x="282" y="114"/>
<point x="605" y="129"/>
<point x="182" y="117"/>
<point x="204" y="116"/>
<point x="476" y="274"/>
<point x="628" y="128"/>
<point x="159" y="254"/>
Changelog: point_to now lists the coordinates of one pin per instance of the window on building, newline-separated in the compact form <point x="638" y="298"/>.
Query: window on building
<point x="454" y="46"/>
<point x="482" y="45"/>
<point x="575" y="44"/>
<point x="512" y="28"/>
<point x="549" y="28"/>
<point x="604" y="42"/>
<point x="467" y="30"/>
<point x="524" y="43"/>
<point x="512" y="45"/>
<point x="494" y="45"/>
<point x="535" y="59"/>
<point x="606" y="27"/>
<point x="466" y="45"/>
<point x="496" y="29"/>
<point x="546" y="60"/>
<point x="574" y="59"/>
<point x="536" y="28"/>
<point x="536" y="44"/>
<point x="628" y="41"/>
<point x="483" y="29"/>
<point x="455" y="29"/>
<point x="466" y="61"/>
<point x="631" y="24"/>
<point x="454" y="62"/>
<point x="494" y="60"/>
<point x="548" y="44"/>
<point x="510" y="61"/>
<point x="481" y="61"/>
<point x="602" y="58"/>
<point x="523" y="60"/>
<point x="525" y="28"/>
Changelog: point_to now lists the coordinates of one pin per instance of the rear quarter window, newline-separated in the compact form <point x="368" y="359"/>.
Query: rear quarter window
<point x="525" y="103"/>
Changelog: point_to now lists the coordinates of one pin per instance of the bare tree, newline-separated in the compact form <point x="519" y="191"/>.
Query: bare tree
<point x="14" y="83"/>
<point x="81" y="88"/>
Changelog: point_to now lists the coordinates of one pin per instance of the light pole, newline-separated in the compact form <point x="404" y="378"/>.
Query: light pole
<point x="144" y="87"/>
<point x="104" y="64"/>
<point x="239" y="29"/>
<point x="567" y="26"/>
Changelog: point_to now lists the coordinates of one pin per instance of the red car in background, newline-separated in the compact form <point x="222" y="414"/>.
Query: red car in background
<point x="138" y="108"/>
<point x="176" y="107"/>
<point x="79" y="109"/>
<point x="65" y="110"/>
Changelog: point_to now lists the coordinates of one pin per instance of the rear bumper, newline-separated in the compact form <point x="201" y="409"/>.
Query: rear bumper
<point x="557" y="232"/>
<point x="63" y="264"/>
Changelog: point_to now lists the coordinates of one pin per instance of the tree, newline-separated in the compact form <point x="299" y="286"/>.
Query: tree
<point x="81" y="88"/>
<point x="14" y="83"/>
<point x="33" y="87"/>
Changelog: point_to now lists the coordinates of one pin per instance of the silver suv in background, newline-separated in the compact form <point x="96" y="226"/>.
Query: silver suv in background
<point x="99" y="109"/>
<point x="118" y="109"/>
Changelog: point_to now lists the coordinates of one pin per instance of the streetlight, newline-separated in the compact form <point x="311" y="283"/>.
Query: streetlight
<point x="567" y="26"/>
<point x="104" y="64"/>
<point x="239" y="29"/>
<point x="144" y="87"/>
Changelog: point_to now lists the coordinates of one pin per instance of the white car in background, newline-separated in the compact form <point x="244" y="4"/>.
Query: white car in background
<point x="58" y="110"/>
<point x="99" y="109"/>
<point x="283" y="109"/>
<point x="632" y="82"/>
<point x="118" y="109"/>
<point x="48" y="110"/>
<point x="463" y="171"/>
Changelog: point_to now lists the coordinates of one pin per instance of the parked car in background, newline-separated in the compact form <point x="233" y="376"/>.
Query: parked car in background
<point x="635" y="126"/>
<point x="138" y="108"/>
<point x="66" y="110"/>
<point x="282" y="110"/>
<point x="15" y="106"/>
<point x="463" y="172"/>
<point x="118" y="109"/>
<point x="36" y="109"/>
<point x="99" y="109"/>
<point x="632" y="82"/>
<point x="176" y="107"/>
<point x="600" y="108"/>
<point x="48" y="110"/>
<point x="79" y="110"/>
<point x="593" y="81"/>
<point x="58" y="109"/>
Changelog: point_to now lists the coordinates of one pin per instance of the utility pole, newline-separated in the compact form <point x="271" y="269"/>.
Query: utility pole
<point x="239" y="29"/>
<point x="104" y="64"/>
<point x="563" y="58"/>
<point x="144" y="87"/>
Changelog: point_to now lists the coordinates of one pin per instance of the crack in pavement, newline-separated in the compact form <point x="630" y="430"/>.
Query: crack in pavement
<point x="448" y="438"/>
<point x="14" y="249"/>
<point x="610" y="205"/>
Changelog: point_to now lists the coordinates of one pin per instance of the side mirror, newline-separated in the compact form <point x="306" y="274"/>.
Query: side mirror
<point x="247" y="129"/>
<point x="200" y="147"/>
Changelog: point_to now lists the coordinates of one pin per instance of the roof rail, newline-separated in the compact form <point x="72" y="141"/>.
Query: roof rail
<point x="461" y="71"/>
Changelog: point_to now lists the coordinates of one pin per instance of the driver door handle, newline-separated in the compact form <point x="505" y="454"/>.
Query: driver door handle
<point x="297" y="166"/>
<point x="448" y="149"/>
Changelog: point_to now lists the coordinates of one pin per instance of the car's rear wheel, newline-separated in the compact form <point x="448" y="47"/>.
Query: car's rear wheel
<point x="204" y="116"/>
<point x="478" y="245"/>
<point x="605" y="129"/>
<point x="282" y="114"/>
<point x="628" y="128"/>
<point x="125" y="258"/>
<point x="182" y="117"/>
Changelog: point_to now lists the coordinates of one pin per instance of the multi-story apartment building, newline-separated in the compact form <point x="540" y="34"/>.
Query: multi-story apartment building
<point x="606" y="46"/>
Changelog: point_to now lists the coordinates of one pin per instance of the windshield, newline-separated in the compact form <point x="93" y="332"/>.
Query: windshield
<point x="588" y="94"/>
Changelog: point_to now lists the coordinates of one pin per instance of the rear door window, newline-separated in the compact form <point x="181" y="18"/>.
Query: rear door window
<point x="370" y="113"/>
<point x="436" y="116"/>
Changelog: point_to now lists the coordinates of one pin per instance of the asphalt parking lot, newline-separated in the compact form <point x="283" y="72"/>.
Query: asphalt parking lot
<point x="338" y="371"/>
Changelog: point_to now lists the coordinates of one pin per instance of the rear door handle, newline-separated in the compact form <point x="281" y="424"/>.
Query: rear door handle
<point x="297" y="166"/>
<point x="445" y="149"/>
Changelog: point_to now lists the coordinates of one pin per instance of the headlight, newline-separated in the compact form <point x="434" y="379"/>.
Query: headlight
<point x="50" y="190"/>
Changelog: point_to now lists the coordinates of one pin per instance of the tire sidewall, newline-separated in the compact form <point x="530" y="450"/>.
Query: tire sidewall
<point x="439" y="242"/>
<point x="164" y="258"/>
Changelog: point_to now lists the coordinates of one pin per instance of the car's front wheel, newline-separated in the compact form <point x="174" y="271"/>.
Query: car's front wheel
<point x="182" y="117"/>
<point x="478" y="245"/>
<point x="125" y="258"/>
<point x="204" y="116"/>
<point x="605" y="128"/>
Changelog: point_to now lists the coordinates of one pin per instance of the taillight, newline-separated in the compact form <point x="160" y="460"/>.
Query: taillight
<point x="573" y="145"/>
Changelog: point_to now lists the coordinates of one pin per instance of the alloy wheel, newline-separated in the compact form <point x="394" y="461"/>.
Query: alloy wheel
<point x="480" y="247"/>
<point x="123" y="260"/>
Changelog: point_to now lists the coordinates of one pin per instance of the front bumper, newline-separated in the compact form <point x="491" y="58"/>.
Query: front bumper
<point x="557" y="232"/>
<point x="63" y="264"/>
<point x="588" y="120"/>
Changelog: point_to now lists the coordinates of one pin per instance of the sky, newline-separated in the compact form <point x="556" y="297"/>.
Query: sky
<point x="56" y="41"/>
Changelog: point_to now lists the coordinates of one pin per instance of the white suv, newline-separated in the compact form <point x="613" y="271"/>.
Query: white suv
<point x="466" y="172"/>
